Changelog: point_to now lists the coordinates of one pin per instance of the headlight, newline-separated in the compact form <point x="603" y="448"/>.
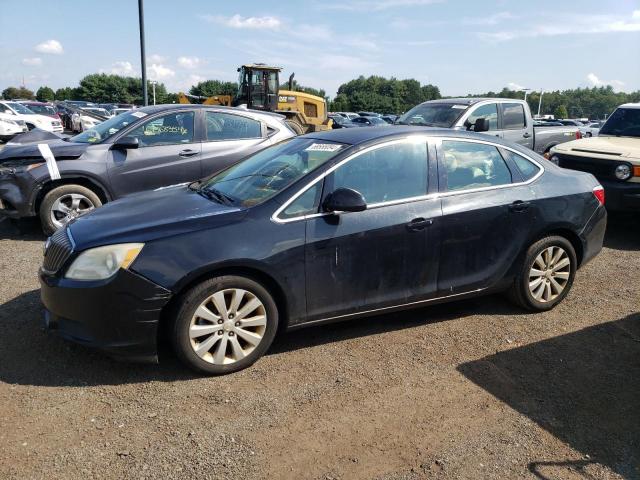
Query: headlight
<point x="8" y="122"/>
<point x="102" y="262"/>
<point x="555" y="159"/>
<point x="623" y="172"/>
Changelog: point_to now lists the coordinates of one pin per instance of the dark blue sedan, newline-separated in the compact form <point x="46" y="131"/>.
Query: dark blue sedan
<point x="323" y="227"/>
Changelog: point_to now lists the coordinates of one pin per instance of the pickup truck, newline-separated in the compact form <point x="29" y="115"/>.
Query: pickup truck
<point x="613" y="157"/>
<point x="507" y="118"/>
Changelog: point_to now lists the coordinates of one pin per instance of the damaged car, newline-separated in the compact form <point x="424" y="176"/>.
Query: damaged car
<point x="58" y="179"/>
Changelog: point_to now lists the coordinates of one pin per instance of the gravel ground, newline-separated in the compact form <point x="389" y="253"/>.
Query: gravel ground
<point x="474" y="389"/>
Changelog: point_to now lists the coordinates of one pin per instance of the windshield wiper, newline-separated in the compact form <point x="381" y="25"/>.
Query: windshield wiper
<point x="217" y="195"/>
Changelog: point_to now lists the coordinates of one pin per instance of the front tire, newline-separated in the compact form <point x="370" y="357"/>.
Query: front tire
<point x="224" y="324"/>
<point x="64" y="203"/>
<point x="546" y="275"/>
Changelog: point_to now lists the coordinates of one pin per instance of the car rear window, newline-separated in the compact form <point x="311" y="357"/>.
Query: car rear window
<point x="527" y="168"/>
<point x="471" y="165"/>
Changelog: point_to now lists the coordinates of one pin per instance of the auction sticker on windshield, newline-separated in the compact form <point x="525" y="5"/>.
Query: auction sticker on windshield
<point x="323" y="147"/>
<point x="139" y="114"/>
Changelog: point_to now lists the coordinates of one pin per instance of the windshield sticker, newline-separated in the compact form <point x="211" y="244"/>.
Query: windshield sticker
<point x="323" y="147"/>
<point x="139" y="114"/>
<point x="461" y="107"/>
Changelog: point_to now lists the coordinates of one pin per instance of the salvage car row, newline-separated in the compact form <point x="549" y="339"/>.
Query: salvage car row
<point x="245" y="229"/>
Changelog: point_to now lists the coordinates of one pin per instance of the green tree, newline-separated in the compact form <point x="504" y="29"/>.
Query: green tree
<point x="209" y="88"/>
<point x="10" y="93"/>
<point x="66" y="93"/>
<point x="45" y="94"/>
<point x="561" y="112"/>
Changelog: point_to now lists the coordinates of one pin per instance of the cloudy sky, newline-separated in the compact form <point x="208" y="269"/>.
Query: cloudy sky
<point x="463" y="47"/>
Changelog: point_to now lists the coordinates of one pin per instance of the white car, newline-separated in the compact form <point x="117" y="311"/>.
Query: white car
<point x="80" y="123"/>
<point x="10" y="127"/>
<point x="17" y="111"/>
<point x="592" y="129"/>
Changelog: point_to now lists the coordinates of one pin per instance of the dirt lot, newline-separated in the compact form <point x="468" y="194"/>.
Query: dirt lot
<point x="475" y="389"/>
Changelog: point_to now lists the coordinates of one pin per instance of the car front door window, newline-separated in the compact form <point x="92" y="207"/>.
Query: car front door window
<point x="171" y="129"/>
<point x="489" y="112"/>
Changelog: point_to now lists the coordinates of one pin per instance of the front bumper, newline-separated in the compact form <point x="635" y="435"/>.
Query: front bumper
<point x="621" y="196"/>
<point x="119" y="315"/>
<point x="16" y="194"/>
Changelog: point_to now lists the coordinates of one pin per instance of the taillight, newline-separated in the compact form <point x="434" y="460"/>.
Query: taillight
<point x="598" y="192"/>
<point x="578" y="135"/>
<point x="636" y="171"/>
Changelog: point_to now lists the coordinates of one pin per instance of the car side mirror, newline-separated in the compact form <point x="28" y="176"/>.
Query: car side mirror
<point x="125" y="143"/>
<point x="344" y="200"/>
<point x="481" y="125"/>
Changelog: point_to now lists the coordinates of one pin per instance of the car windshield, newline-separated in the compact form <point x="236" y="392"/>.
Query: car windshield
<point x="377" y="121"/>
<point x="108" y="128"/>
<point x="268" y="172"/>
<point x="18" y="107"/>
<point x="97" y="111"/>
<point x="433" y="115"/>
<point x="624" y="122"/>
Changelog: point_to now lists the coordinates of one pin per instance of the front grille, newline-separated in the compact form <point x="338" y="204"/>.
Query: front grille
<point x="58" y="251"/>
<point x="604" y="169"/>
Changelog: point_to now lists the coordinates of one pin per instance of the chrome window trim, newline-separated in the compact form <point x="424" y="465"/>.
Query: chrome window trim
<point x="434" y="140"/>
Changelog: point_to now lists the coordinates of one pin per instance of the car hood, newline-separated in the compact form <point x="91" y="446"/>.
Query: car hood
<point x="25" y="147"/>
<point x="619" y="147"/>
<point x="150" y="215"/>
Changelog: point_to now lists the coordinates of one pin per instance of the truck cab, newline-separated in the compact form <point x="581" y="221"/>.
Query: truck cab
<point x="506" y="118"/>
<point x="613" y="157"/>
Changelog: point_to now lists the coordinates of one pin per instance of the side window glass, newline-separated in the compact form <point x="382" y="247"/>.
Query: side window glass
<point x="172" y="129"/>
<point x="305" y="204"/>
<point x="513" y="116"/>
<point x="224" y="126"/>
<point x="490" y="112"/>
<point x="393" y="172"/>
<point x="527" y="169"/>
<point x="471" y="165"/>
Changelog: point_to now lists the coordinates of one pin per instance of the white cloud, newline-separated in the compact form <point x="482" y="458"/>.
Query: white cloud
<point x="488" y="20"/>
<point x="375" y="5"/>
<point x="515" y="86"/>
<point x="238" y="21"/>
<point x="155" y="58"/>
<point x="573" y="24"/>
<point x="121" y="68"/>
<point x="189" y="62"/>
<point x="53" y="47"/>
<point x="32" y="62"/>
<point x="159" y="72"/>
<point x="595" y="81"/>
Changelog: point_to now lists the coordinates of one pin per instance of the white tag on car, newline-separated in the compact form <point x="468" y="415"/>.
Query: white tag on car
<point x="52" y="166"/>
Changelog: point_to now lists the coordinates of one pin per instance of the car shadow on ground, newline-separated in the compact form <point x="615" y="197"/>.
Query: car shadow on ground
<point x="583" y="387"/>
<point x="623" y="231"/>
<point x="31" y="356"/>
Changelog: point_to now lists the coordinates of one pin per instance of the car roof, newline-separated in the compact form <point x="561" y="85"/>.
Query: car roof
<point x="356" y="136"/>
<point x="172" y="106"/>
<point x="630" y="105"/>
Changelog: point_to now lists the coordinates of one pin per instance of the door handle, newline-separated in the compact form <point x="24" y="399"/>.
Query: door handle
<point x="418" y="224"/>
<point x="187" y="153"/>
<point x="526" y="134"/>
<point x="519" y="206"/>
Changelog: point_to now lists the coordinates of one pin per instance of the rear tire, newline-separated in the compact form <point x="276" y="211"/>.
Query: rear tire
<point x="295" y="126"/>
<point x="224" y="324"/>
<point x="546" y="274"/>
<point x="75" y="198"/>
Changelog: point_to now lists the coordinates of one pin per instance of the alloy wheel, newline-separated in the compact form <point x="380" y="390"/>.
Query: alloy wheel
<point x="549" y="274"/>
<point x="68" y="207"/>
<point x="227" y="326"/>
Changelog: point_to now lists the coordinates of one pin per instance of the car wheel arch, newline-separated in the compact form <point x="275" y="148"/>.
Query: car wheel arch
<point x="92" y="184"/>
<point x="564" y="232"/>
<point x="245" y="270"/>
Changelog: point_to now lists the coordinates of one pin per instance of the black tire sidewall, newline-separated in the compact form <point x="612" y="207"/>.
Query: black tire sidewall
<point x="532" y="253"/>
<point x="48" y="227"/>
<point x="295" y="126"/>
<point x="190" y="302"/>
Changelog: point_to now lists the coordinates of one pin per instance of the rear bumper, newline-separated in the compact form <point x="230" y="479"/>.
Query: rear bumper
<point x="119" y="316"/>
<point x="592" y="235"/>
<point x="621" y="196"/>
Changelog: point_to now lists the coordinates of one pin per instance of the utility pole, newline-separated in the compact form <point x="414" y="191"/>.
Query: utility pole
<point x="526" y="92"/>
<point x="153" y="86"/>
<point x="143" y="57"/>
<point x="540" y="102"/>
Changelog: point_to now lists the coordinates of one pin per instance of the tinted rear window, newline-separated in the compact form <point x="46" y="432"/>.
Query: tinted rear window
<point x="513" y="116"/>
